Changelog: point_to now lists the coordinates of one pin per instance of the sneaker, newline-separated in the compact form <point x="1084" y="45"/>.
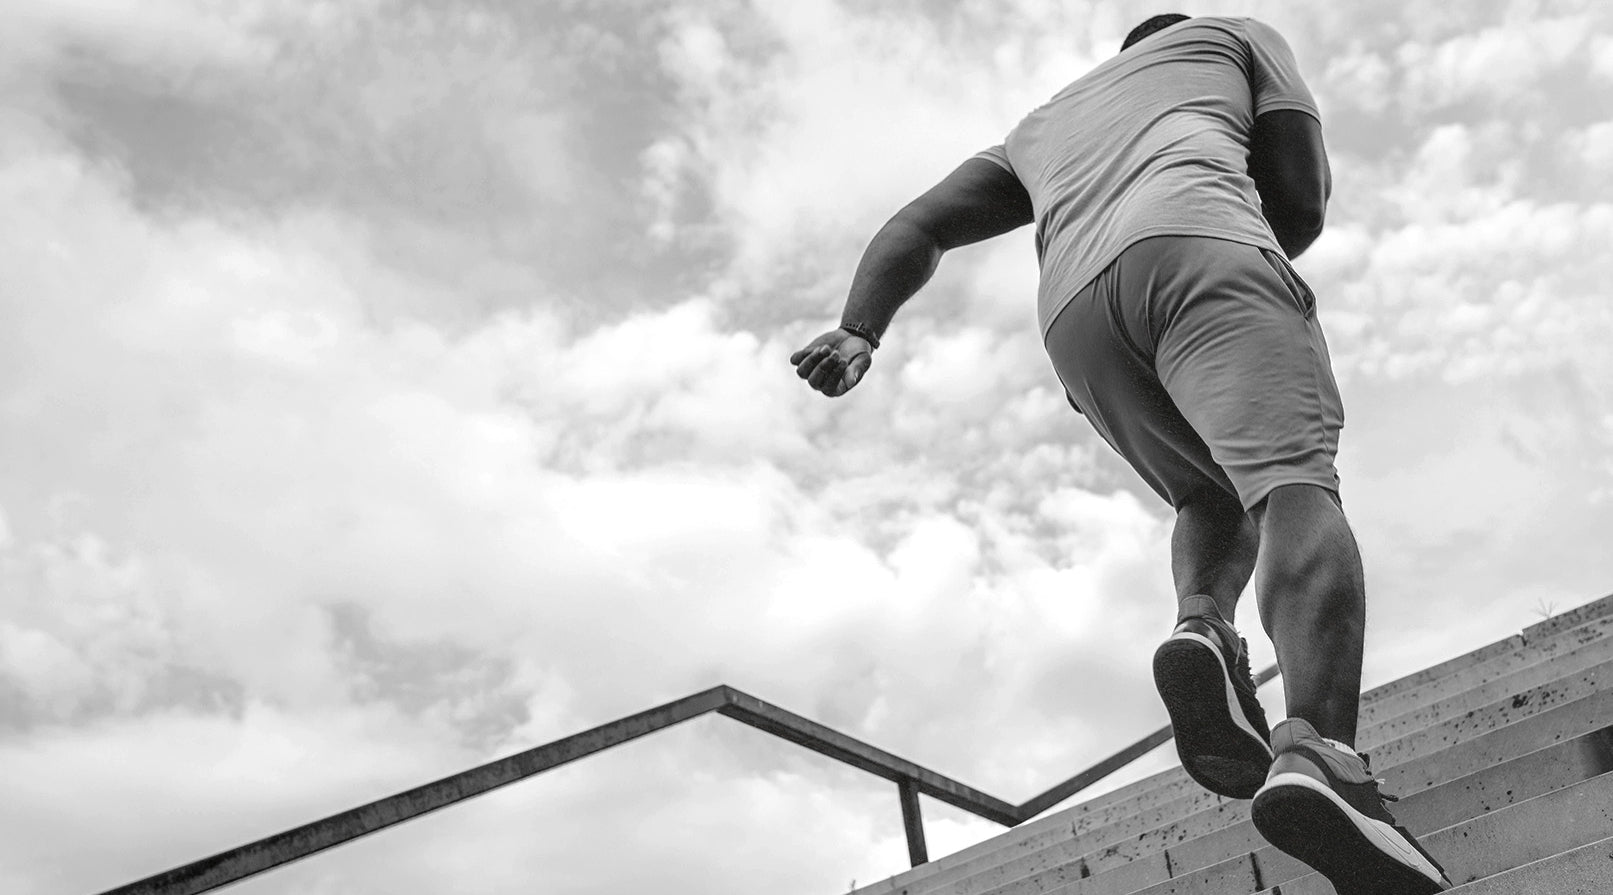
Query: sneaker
<point x="1202" y="673"/>
<point x="1322" y="806"/>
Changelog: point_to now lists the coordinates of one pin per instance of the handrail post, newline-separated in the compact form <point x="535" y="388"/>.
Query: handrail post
<point x="912" y="821"/>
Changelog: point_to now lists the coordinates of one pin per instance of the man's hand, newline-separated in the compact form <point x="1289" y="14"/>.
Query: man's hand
<point x="834" y="362"/>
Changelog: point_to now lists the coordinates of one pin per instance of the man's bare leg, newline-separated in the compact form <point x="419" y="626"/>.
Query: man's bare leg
<point x="1319" y="799"/>
<point x="1202" y="669"/>
<point x="1312" y="596"/>
<point x="1213" y="550"/>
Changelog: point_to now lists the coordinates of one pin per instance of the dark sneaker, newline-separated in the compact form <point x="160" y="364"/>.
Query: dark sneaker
<point x="1202" y="673"/>
<point x="1322" y="806"/>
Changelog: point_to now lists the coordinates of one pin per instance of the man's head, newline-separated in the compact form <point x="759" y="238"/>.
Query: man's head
<point x="1157" y="23"/>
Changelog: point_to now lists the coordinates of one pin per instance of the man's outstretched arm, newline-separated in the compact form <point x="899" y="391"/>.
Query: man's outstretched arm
<point x="977" y="201"/>
<point x="1289" y="167"/>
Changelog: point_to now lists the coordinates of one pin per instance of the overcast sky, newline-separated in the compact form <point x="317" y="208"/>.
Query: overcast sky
<point x="389" y="387"/>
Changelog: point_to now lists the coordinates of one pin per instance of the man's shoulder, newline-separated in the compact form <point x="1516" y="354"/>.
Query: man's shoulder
<point x="1234" y="24"/>
<point x="1240" y="26"/>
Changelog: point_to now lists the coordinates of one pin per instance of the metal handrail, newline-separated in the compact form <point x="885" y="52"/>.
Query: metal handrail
<point x="911" y="780"/>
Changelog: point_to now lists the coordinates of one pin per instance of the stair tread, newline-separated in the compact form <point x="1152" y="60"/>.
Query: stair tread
<point x="1587" y="870"/>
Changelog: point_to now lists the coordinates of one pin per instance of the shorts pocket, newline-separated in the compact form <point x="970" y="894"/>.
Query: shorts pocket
<point x="1304" y="299"/>
<point x="1074" y="406"/>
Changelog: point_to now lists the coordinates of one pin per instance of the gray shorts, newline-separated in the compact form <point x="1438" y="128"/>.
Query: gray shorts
<point x="1201" y="361"/>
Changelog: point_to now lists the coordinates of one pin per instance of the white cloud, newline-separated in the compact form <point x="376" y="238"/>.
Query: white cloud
<point x="1594" y="146"/>
<point x="1450" y="260"/>
<point x="46" y="669"/>
<point x="1359" y="78"/>
<point x="1499" y="63"/>
<point x="172" y="34"/>
<point x="208" y="782"/>
<point x="845" y="118"/>
<point x="1506" y="290"/>
<point x="959" y="371"/>
<point x="1601" y="56"/>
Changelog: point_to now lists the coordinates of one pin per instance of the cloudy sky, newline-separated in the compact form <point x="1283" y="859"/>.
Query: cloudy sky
<point x="388" y="387"/>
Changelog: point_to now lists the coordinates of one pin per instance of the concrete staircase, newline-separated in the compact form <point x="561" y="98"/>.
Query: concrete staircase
<point x="1503" y="759"/>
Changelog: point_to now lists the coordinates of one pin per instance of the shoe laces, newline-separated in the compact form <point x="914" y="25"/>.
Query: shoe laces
<point x="1378" y="782"/>
<point x="1366" y="762"/>
<point x="1243" y="657"/>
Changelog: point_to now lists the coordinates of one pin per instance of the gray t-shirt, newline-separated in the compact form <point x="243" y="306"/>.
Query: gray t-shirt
<point x="1152" y="142"/>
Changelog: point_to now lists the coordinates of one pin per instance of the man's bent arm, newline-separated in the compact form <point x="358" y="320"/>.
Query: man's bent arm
<point x="977" y="201"/>
<point x="1289" y="167"/>
<point x="899" y="260"/>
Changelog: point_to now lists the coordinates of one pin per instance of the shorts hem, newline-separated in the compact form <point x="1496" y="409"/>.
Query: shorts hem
<point x="1263" y="490"/>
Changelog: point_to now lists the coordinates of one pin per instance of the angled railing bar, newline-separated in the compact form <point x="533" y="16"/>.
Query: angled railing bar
<point x="292" y="845"/>
<point x="1039" y="803"/>
<point x="911" y="780"/>
<point x="827" y="741"/>
<point x="1086" y="778"/>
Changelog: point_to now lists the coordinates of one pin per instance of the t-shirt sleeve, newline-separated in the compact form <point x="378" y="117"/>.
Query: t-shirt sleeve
<point x="999" y="155"/>
<point x="1274" y="75"/>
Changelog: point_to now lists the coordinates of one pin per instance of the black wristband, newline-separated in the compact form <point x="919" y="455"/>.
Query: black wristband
<point x="861" y="331"/>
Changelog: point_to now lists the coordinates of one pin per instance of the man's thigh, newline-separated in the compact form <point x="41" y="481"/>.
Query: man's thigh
<point x="1244" y="359"/>
<point x="1110" y="377"/>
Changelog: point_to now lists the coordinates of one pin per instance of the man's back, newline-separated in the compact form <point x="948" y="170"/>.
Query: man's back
<point x="1152" y="142"/>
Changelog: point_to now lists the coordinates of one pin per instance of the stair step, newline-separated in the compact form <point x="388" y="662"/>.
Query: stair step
<point x="1571" y="618"/>
<point x="1035" y="835"/>
<point x="1444" y="669"/>
<point x="1535" y="654"/>
<point x="1496" y="715"/>
<point x="1587" y="870"/>
<point x="1488" y="691"/>
<point x="1509" y="782"/>
<point x="1563" y="722"/>
<point x="1504" y="840"/>
<point x="1528" y="831"/>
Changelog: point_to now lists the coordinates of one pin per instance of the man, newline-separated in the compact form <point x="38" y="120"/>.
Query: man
<point x="1169" y="187"/>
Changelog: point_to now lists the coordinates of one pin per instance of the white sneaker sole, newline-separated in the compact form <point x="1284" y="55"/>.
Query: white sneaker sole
<point x="1382" y="837"/>
<point x="1234" y="706"/>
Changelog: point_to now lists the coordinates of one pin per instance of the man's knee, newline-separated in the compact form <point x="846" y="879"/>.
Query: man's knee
<point x="1298" y="497"/>
<point x="1306" y="542"/>
<point x="1210" y="501"/>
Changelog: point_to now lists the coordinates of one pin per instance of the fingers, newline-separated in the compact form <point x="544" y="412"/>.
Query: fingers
<point x="835" y="375"/>
<point x="816" y="349"/>
<point x="858" y="366"/>
<point x="829" y="372"/>
<point x="807" y="359"/>
<point x="855" y="368"/>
